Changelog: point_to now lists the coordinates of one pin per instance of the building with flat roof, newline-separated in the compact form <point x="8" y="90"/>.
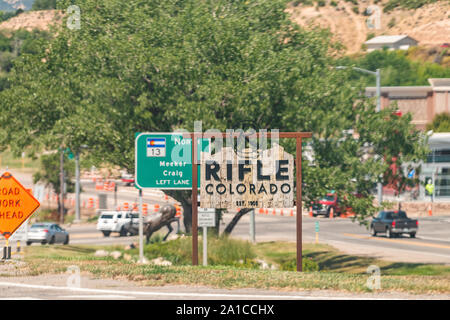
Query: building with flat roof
<point x="424" y="102"/>
<point x="399" y="42"/>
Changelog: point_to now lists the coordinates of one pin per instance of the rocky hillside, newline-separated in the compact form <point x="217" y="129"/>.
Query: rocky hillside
<point x="30" y="20"/>
<point x="347" y="20"/>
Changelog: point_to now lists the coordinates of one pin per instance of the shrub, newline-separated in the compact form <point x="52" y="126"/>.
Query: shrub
<point x="370" y="36"/>
<point x="308" y="265"/>
<point x="391" y="23"/>
<point x="221" y="251"/>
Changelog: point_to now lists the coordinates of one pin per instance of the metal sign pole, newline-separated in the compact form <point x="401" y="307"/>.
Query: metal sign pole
<point x="141" y="229"/>
<point x="205" y="246"/>
<point x="298" y="165"/>
<point x="252" y="226"/>
<point x="194" y="201"/>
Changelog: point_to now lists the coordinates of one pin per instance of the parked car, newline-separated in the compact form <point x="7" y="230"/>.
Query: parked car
<point x="127" y="179"/>
<point x="445" y="45"/>
<point x="117" y="221"/>
<point x="47" y="233"/>
<point x="394" y="223"/>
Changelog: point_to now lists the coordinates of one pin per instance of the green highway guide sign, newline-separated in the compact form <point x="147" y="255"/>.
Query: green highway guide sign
<point x="164" y="161"/>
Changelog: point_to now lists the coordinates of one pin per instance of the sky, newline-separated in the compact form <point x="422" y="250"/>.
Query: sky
<point x="12" y="5"/>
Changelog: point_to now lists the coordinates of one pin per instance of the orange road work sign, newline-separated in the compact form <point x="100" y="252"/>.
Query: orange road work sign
<point x="16" y="204"/>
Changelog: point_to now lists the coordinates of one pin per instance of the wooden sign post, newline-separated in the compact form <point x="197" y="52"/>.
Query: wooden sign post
<point x="298" y="164"/>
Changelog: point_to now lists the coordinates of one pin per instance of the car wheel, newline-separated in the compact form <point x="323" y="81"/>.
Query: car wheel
<point x="388" y="233"/>
<point x="106" y="233"/>
<point x="122" y="232"/>
<point x="412" y="234"/>
<point x="67" y="240"/>
<point x="52" y="240"/>
<point x="372" y="231"/>
<point x="28" y="243"/>
<point x="44" y="242"/>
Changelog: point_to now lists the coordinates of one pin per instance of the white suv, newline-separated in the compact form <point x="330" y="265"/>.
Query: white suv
<point x="115" y="221"/>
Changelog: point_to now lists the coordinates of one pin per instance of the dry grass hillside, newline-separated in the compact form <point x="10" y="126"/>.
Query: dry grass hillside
<point x="430" y="24"/>
<point x="30" y="20"/>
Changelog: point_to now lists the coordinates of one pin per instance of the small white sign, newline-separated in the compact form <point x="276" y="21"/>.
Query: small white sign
<point x="206" y="217"/>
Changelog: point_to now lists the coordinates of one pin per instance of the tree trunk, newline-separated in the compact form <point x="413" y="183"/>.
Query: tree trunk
<point x="235" y="221"/>
<point x="216" y="229"/>
<point x="187" y="217"/>
<point x="185" y="198"/>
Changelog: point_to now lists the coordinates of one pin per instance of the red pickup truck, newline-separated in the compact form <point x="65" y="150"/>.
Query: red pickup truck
<point x="325" y="205"/>
<point x="331" y="203"/>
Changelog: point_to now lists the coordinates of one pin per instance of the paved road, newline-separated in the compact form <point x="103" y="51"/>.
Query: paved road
<point x="431" y="245"/>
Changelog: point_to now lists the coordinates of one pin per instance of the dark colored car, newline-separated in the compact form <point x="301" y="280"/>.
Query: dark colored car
<point x="394" y="223"/>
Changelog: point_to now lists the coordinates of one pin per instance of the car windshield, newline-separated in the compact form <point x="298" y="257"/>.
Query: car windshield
<point x="328" y="197"/>
<point x="106" y="216"/>
<point x="39" y="226"/>
<point x="397" y="215"/>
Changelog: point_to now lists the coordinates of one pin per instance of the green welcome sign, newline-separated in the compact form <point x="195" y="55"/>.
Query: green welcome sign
<point x="164" y="161"/>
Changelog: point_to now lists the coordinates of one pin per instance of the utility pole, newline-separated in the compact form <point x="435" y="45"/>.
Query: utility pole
<point x="378" y="83"/>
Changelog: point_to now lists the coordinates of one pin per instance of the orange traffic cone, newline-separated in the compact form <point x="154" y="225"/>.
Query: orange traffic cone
<point x="331" y="213"/>
<point x="310" y="212"/>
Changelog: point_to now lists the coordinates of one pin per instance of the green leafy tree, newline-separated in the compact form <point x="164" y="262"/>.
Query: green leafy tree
<point x="140" y="65"/>
<point x="49" y="173"/>
<point x="396" y="69"/>
<point x="441" y="123"/>
<point x="43" y="5"/>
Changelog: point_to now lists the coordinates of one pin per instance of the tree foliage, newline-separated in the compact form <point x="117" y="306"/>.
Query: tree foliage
<point x="49" y="173"/>
<point x="396" y="69"/>
<point x="142" y="65"/>
<point x="43" y="5"/>
<point x="440" y="123"/>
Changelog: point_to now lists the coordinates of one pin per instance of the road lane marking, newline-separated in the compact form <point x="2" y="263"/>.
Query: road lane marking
<point x="189" y="295"/>
<point x="86" y="235"/>
<point x="20" y="298"/>
<point x="98" y="296"/>
<point x="413" y="243"/>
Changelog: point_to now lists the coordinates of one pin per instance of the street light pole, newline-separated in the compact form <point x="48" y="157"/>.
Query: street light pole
<point x="378" y="77"/>
<point x="377" y="74"/>
<point x="78" y="184"/>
